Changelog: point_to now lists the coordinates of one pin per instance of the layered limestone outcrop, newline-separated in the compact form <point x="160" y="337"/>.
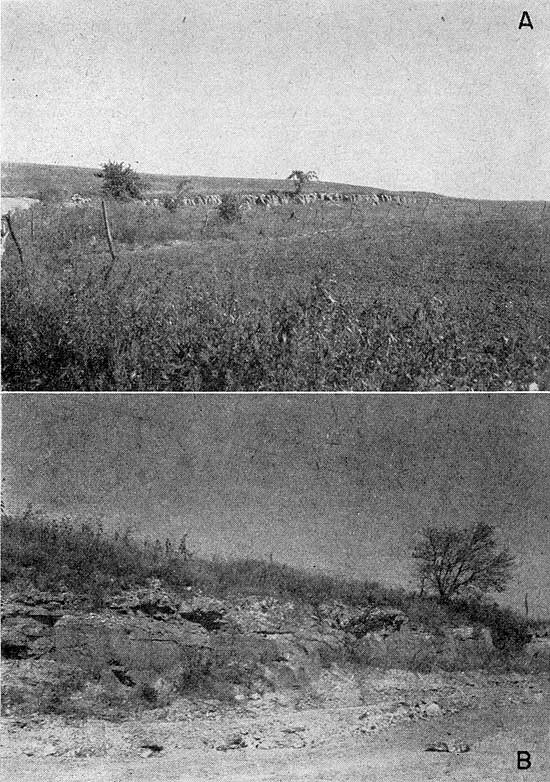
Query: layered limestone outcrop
<point x="143" y="636"/>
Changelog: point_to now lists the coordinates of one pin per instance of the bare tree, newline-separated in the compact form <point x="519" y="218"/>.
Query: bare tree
<point x="458" y="562"/>
<point x="302" y="177"/>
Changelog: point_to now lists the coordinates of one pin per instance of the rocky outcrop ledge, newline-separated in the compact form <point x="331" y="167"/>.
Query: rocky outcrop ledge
<point x="150" y="637"/>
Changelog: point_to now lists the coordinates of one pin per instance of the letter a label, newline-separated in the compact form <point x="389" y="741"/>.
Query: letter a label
<point x="525" y="21"/>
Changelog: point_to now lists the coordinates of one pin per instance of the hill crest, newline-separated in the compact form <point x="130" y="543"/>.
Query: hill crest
<point x="27" y="179"/>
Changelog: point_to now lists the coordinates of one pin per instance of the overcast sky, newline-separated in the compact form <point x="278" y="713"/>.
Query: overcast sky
<point x="337" y="482"/>
<point x="440" y="96"/>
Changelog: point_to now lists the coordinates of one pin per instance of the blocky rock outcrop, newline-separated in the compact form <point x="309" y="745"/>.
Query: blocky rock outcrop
<point x="147" y="635"/>
<point x="143" y="648"/>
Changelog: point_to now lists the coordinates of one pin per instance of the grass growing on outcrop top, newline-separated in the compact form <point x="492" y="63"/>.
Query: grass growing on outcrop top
<point x="50" y="554"/>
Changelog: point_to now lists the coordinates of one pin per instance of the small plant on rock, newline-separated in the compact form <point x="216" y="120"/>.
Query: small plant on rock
<point x="229" y="208"/>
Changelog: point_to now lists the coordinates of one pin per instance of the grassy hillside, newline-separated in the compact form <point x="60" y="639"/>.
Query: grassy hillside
<point x="29" y="179"/>
<point x="50" y="554"/>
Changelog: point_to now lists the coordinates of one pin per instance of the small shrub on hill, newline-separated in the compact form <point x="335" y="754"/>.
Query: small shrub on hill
<point x="170" y="203"/>
<point x="509" y="631"/>
<point x="229" y="210"/>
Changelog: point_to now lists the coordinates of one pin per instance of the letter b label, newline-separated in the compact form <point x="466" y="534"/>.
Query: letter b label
<point x="524" y="760"/>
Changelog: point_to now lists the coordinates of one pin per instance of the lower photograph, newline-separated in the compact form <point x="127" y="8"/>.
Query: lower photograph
<point x="275" y="587"/>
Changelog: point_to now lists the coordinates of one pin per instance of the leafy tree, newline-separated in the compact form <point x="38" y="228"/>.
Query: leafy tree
<point x="120" y="181"/>
<point x="301" y="178"/>
<point x="461" y="562"/>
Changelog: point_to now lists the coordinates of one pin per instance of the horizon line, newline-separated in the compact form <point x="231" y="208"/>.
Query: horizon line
<point x="282" y="179"/>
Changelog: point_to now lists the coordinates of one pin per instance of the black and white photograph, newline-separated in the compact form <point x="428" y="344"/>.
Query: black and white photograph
<point x="283" y="587"/>
<point x="316" y="195"/>
<point x="275" y="375"/>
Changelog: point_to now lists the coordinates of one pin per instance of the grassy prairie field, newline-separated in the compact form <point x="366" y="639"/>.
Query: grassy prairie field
<point x="441" y="295"/>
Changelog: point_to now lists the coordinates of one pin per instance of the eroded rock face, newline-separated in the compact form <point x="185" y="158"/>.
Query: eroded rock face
<point x="266" y="615"/>
<point x="412" y="646"/>
<point x="165" y="606"/>
<point x="301" y="637"/>
<point x="361" y="620"/>
<point x="27" y="626"/>
<point x="148" y="635"/>
<point x="379" y="620"/>
<point x="24" y="637"/>
<point x="21" y="601"/>
<point x="484" y="636"/>
<point x="136" y="648"/>
<point x="154" y="603"/>
<point x="34" y="685"/>
<point x="462" y="633"/>
<point x="205" y="611"/>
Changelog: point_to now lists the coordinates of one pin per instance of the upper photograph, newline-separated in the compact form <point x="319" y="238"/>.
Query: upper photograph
<point x="339" y="195"/>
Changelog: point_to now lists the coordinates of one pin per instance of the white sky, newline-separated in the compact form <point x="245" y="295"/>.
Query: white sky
<point x="448" y="97"/>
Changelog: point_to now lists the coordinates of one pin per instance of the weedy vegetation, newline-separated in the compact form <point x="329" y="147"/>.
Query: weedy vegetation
<point x="52" y="553"/>
<point x="444" y="296"/>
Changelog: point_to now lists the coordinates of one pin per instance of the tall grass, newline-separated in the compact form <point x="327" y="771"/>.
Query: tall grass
<point x="50" y="553"/>
<point x="404" y="303"/>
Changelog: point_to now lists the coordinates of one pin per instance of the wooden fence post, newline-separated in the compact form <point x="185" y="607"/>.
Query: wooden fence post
<point x="7" y="218"/>
<point x="5" y="233"/>
<point x="108" y="230"/>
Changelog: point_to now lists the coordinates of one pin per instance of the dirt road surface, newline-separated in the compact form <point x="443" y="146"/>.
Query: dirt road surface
<point x="324" y="745"/>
